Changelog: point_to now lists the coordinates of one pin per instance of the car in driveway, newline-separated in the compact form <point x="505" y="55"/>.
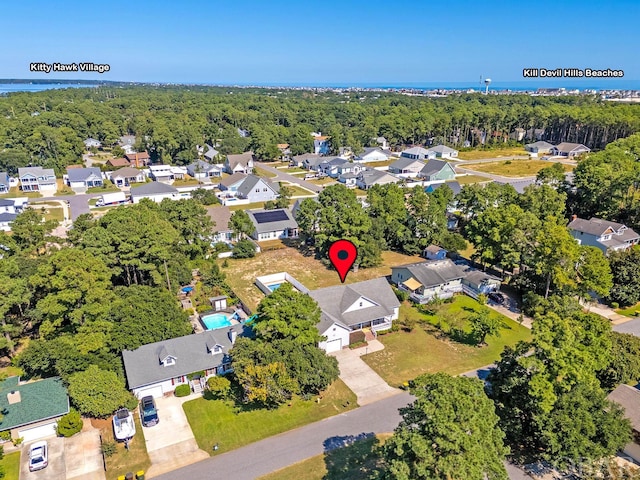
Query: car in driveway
<point x="38" y="456"/>
<point x="496" y="298"/>
<point x="148" y="412"/>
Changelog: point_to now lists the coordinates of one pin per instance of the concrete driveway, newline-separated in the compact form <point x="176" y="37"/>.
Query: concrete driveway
<point x="83" y="456"/>
<point x="368" y="386"/>
<point x="56" y="468"/>
<point x="171" y="443"/>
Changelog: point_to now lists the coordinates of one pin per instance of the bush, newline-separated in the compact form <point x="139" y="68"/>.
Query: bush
<point x="219" y="386"/>
<point x="203" y="308"/>
<point x="5" y="436"/>
<point x="615" y="305"/>
<point x="183" y="390"/>
<point x="482" y="299"/>
<point x="409" y="323"/>
<point x="402" y="295"/>
<point x="17" y="441"/>
<point x="356" y="337"/>
<point x="244" y="249"/>
<point x="70" y="424"/>
<point x="108" y="448"/>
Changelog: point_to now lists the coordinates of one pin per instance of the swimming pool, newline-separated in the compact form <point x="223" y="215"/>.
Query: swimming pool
<point x="273" y="286"/>
<point x="216" y="320"/>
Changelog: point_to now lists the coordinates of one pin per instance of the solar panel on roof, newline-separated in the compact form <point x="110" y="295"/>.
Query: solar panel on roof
<point x="268" y="217"/>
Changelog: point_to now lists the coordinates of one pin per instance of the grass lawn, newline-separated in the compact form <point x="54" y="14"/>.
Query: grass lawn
<point x="385" y="163"/>
<point x="427" y="350"/>
<point x="241" y="273"/>
<point x="467" y="179"/>
<point x="492" y="153"/>
<point x="260" y="172"/>
<point x="63" y="189"/>
<point x="632" y="311"/>
<point x="106" y="188"/>
<point x="296" y="190"/>
<point x="50" y="212"/>
<point x="218" y="421"/>
<point x="186" y="182"/>
<point x="322" y="181"/>
<point x="248" y="206"/>
<point x="352" y="462"/>
<point x="123" y="461"/>
<point x="16" y="192"/>
<point x="11" y="465"/>
<point x="515" y="168"/>
<point x="292" y="170"/>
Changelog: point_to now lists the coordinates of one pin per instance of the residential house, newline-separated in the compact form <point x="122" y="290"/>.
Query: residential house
<point x="242" y="163"/>
<point x="162" y="173"/>
<point x="417" y="153"/>
<point x="126" y="176"/>
<point x="6" y="219"/>
<point x="330" y="166"/>
<point x="350" y="180"/>
<point x="476" y="282"/>
<point x="535" y="133"/>
<point x="348" y="308"/>
<point x="372" y="154"/>
<point x="5" y="182"/>
<point x="231" y="183"/>
<point x="156" y="369"/>
<point x="518" y="134"/>
<point x="434" y="252"/>
<point x="273" y="224"/>
<point x="201" y="170"/>
<point x="442" y="151"/>
<point x="406" y="167"/>
<point x="156" y="191"/>
<point x="349" y="167"/>
<point x="369" y="177"/>
<point x="80" y="179"/>
<point x="628" y="398"/>
<point x="285" y="152"/>
<point x="117" y="163"/>
<point x="127" y="142"/>
<point x="208" y="152"/>
<point x="138" y="159"/>
<point x="178" y="172"/>
<point x="37" y="179"/>
<point x="437" y="170"/>
<point x="346" y="153"/>
<point x="7" y="205"/>
<point x="321" y="144"/>
<point x="455" y="187"/>
<point x="257" y="189"/>
<point x="570" y="150"/>
<point x="518" y="185"/>
<point x="306" y="160"/>
<point x="243" y="133"/>
<point x="382" y="143"/>
<point x="539" y="147"/>
<point x="603" y="234"/>
<point x="222" y="231"/>
<point x="92" y="143"/>
<point x="31" y="410"/>
<point x="425" y="281"/>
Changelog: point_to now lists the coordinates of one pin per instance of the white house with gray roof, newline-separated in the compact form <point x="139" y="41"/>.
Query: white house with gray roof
<point x="538" y="147"/>
<point x="273" y="224"/>
<point x="240" y="163"/>
<point x="348" y="308"/>
<point x="372" y="154"/>
<point x="369" y="177"/>
<point x="5" y="182"/>
<point x="201" y="170"/>
<point x="156" y="191"/>
<point x="257" y="189"/>
<point x="79" y="179"/>
<point x="92" y="143"/>
<point x="417" y="153"/>
<point x="406" y="167"/>
<point x="442" y="151"/>
<point x="603" y="234"/>
<point x="158" y="368"/>
<point x="37" y="179"/>
<point x="566" y="149"/>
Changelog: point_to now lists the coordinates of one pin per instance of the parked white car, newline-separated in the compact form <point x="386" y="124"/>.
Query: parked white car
<point x="38" y="456"/>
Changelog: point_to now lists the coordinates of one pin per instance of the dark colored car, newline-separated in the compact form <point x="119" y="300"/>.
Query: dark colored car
<point x="496" y="297"/>
<point x="148" y="412"/>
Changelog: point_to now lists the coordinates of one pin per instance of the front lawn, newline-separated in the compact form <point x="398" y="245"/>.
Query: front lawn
<point x="322" y="181"/>
<point x="219" y="422"/>
<point x="15" y="192"/>
<point x="123" y="461"/>
<point x="515" y="168"/>
<point x="352" y="462"/>
<point x="261" y="172"/>
<point x="632" y="311"/>
<point x="11" y="466"/>
<point x="241" y="273"/>
<point x="427" y="349"/>
<point x="186" y="182"/>
<point x="493" y="153"/>
<point x="467" y="179"/>
<point x="297" y="190"/>
<point x="49" y="212"/>
<point x="106" y="188"/>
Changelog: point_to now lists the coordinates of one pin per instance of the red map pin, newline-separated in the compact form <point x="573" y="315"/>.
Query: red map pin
<point x="342" y="254"/>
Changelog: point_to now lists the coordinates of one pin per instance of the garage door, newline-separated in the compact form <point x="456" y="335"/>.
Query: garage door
<point x="35" y="433"/>
<point x="333" y="345"/>
<point x="155" y="392"/>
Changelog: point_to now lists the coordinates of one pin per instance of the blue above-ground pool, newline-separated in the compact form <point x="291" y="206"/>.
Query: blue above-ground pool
<point x="273" y="286"/>
<point x="214" y="321"/>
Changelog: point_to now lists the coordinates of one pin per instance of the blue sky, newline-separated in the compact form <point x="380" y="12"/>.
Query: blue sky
<point x="330" y="42"/>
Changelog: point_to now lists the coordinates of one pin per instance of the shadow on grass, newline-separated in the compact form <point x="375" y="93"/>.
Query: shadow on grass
<point x="351" y="456"/>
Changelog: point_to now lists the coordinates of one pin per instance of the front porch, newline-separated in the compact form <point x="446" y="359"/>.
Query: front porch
<point x="425" y="296"/>
<point x="376" y="325"/>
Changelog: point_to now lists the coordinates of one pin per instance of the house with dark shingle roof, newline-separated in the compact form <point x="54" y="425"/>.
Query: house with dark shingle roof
<point x="455" y="187"/>
<point x="117" y="163"/>
<point x="241" y="163"/>
<point x="273" y="224"/>
<point x="82" y="178"/>
<point x="307" y="160"/>
<point x="31" y="410"/>
<point x="158" y="368"/>
<point x="348" y="308"/>
<point x="370" y="177"/>
<point x="257" y="189"/>
<point x="426" y="280"/>
<point x="138" y="159"/>
<point x="437" y="170"/>
<point x="628" y="398"/>
<point x="603" y="234"/>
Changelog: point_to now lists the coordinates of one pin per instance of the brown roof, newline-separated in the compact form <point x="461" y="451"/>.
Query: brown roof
<point x="137" y="155"/>
<point x="231" y="179"/>
<point x="118" y="162"/>
<point x="75" y="166"/>
<point x="283" y="145"/>
<point x="221" y="216"/>
<point x="240" y="159"/>
<point x="126" y="172"/>
<point x="321" y="137"/>
<point x="433" y="249"/>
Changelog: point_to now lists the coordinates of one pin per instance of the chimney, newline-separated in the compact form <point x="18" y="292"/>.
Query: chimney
<point x="573" y="217"/>
<point x="13" y="397"/>
<point x="232" y="335"/>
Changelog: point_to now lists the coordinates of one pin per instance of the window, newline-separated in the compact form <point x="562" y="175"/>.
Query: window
<point x="264" y="189"/>
<point x="360" y="304"/>
<point x="257" y="190"/>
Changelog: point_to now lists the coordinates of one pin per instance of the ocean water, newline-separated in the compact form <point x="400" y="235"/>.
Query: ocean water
<point x="38" y="87"/>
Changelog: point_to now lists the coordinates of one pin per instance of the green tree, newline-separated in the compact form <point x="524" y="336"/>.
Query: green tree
<point x="625" y="268"/>
<point x="552" y="175"/>
<point x="99" y="393"/>
<point x="593" y="272"/>
<point x="191" y="221"/>
<point x="284" y="197"/>
<point x="624" y="366"/>
<point x="204" y="197"/>
<point x="219" y="386"/>
<point x="244" y="249"/>
<point x="483" y="323"/>
<point x="30" y="232"/>
<point x="69" y="424"/>
<point x="241" y="224"/>
<point x="449" y="431"/>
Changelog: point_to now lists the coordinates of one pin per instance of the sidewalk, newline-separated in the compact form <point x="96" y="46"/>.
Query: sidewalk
<point x="606" y="312"/>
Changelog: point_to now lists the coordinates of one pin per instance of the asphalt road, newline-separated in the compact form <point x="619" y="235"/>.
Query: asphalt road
<point x="632" y="327"/>
<point x="78" y="204"/>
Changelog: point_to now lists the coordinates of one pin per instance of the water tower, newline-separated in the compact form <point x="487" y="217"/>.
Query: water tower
<point x="487" y="81"/>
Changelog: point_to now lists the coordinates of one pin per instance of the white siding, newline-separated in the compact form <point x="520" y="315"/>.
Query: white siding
<point x="336" y="334"/>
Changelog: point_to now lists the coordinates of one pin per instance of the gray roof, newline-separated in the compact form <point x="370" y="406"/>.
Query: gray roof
<point x="334" y="301"/>
<point x="569" y="147"/>
<point x="454" y="186"/>
<point x="5" y="202"/>
<point x="596" y="226"/>
<point x="305" y="156"/>
<point x="442" y="149"/>
<point x="126" y="172"/>
<point x="233" y="179"/>
<point x="432" y="167"/>
<point x="192" y="354"/>
<point x="82" y="174"/>
<point x="433" y="272"/>
<point x="518" y="185"/>
<point x="251" y="181"/>
<point x="273" y="226"/>
<point x="381" y="139"/>
<point x="242" y="159"/>
<point x="333" y="161"/>
<point x="204" y="166"/>
<point x="404" y="162"/>
<point x="349" y="175"/>
<point x="416" y="151"/>
<point x="211" y="152"/>
<point x="7" y="217"/>
<point x="4" y="178"/>
<point x="127" y="140"/>
<point x="478" y="277"/>
<point x="629" y="399"/>
<point x="221" y="216"/>
<point x="153" y="188"/>
<point x="371" y="177"/>
<point x="368" y="150"/>
<point x="540" y="145"/>
<point x="36" y="171"/>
